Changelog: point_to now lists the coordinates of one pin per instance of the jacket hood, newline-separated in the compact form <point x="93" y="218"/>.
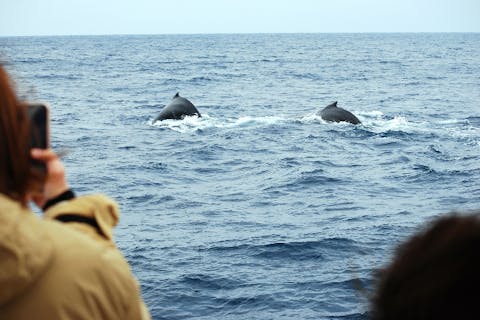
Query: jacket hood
<point x="25" y="249"/>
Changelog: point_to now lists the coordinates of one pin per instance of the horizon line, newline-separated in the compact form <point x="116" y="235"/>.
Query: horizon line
<point x="235" y="33"/>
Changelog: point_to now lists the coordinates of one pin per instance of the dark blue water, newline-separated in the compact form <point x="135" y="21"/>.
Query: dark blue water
<point x="259" y="209"/>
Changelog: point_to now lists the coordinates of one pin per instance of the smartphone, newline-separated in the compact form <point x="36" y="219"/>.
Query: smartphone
<point x="39" y="130"/>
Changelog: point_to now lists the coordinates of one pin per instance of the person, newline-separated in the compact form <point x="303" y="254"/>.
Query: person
<point x="64" y="265"/>
<point x="435" y="274"/>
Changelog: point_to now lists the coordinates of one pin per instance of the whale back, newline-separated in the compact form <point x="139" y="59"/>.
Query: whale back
<point x="333" y="113"/>
<point x="177" y="109"/>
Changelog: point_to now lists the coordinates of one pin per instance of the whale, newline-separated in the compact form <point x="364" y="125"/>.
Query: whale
<point x="332" y="113"/>
<point x="177" y="109"/>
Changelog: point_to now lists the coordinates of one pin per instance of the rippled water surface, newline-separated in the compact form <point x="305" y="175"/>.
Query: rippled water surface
<point x="259" y="209"/>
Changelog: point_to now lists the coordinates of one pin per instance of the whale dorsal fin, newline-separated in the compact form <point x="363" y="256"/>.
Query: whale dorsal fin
<point x="333" y="105"/>
<point x="176" y="95"/>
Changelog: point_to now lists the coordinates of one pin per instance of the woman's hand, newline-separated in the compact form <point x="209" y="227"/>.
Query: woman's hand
<point x="55" y="180"/>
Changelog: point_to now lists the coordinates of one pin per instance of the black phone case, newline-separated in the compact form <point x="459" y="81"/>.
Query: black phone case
<point x="38" y="115"/>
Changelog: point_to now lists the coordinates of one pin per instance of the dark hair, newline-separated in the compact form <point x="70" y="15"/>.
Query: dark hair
<point x="434" y="275"/>
<point x="16" y="174"/>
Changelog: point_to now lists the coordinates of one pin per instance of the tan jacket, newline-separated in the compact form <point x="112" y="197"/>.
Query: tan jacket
<point x="53" y="270"/>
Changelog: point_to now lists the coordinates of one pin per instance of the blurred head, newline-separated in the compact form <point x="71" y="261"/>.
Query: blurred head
<point x="434" y="275"/>
<point x="16" y="175"/>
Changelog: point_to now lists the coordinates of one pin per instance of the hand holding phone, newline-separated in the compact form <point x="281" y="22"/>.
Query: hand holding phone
<point x="55" y="179"/>
<point x="44" y="160"/>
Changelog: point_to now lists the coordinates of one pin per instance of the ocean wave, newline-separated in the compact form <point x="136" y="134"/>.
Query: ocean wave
<point x="430" y="174"/>
<point x="192" y="124"/>
<point x="56" y="76"/>
<point x="325" y="249"/>
<point x="474" y="121"/>
<point x="373" y="123"/>
<point x="308" y="76"/>
<point x="30" y="61"/>
<point x="210" y="282"/>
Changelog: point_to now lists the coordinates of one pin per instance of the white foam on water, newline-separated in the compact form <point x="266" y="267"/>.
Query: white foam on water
<point x="398" y="123"/>
<point x="194" y="123"/>
<point x="374" y="121"/>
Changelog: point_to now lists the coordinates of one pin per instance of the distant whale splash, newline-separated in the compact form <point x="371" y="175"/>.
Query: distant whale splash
<point x="336" y="114"/>
<point x="177" y="109"/>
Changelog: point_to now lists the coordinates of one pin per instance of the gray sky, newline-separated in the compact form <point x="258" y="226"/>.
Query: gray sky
<point x="74" y="17"/>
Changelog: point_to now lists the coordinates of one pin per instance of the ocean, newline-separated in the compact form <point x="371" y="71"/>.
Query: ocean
<point x="260" y="209"/>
